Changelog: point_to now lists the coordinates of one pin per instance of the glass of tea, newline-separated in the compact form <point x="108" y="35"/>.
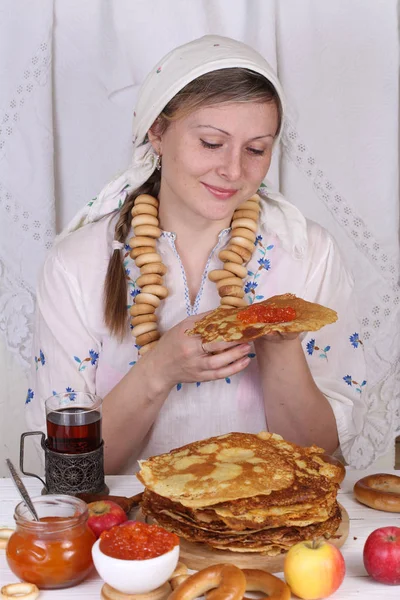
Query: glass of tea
<point x="73" y="421"/>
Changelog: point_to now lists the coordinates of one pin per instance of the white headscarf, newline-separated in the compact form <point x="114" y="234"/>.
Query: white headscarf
<point x="165" y="80"/>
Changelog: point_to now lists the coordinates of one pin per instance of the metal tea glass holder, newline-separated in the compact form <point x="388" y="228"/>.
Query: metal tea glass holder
<point x="73" y="448"/>
<point x="69" y="474"/>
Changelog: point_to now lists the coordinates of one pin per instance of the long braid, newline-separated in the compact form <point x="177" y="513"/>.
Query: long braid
<point x="115" y="289"/>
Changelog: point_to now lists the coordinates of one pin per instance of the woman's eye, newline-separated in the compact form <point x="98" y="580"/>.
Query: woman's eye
<point x="256" y="151"/>
<point x="208" y="145"/>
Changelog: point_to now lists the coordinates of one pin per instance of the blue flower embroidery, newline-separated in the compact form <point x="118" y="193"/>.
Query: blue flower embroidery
<point x="40" y="359"/>
<point x="29" y="396"/>
<point x="68" y="392"/>
<point x="347" y="379"/>
<point x="350" y="381"/>
<point x="264" y="264"/>
<point x="311" y="347"/>
<point x="198" y="383"/>
<point x="227" y="379"/>
<point x="133" y="293"/>
<point x="132" y="363"/>
<point x="127" y="248"/>
<point x="92" y="359"/>
<point x="250" y="287"/>
<point x="355" y="340"/>
<point x="71" y="393"/>
<point x="179" y="386"/>
<point x="94" y="356"/>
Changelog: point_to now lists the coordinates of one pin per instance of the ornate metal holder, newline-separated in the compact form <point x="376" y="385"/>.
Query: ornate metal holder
<point x="69" y="473"/>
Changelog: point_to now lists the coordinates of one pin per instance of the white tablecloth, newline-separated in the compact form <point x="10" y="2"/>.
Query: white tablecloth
<point x="357" y="584"/>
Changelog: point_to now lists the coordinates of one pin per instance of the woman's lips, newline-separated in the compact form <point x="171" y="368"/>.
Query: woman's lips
<point x="220" y="193"/>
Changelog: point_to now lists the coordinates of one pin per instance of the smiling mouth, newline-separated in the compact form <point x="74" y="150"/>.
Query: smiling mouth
<point x="219" y="192"/>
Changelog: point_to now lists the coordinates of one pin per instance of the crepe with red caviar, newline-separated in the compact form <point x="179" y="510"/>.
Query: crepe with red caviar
<point x="285" y="313"/>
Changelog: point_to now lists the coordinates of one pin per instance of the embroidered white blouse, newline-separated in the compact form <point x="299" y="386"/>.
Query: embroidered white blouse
<point x="73" y="350"/>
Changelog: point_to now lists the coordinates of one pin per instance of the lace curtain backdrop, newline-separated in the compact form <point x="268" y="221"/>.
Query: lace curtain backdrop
<point x="70" y="73"/>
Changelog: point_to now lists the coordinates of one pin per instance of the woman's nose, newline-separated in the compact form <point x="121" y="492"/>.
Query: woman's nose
<point x="231" y="166"/>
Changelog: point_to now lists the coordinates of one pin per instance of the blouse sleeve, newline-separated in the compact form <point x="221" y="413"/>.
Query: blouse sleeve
<point x="65" y="352"/>
<point x="335" y="353"/>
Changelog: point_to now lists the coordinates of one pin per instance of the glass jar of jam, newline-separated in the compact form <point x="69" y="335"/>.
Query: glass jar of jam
<point x="56" y="551"/>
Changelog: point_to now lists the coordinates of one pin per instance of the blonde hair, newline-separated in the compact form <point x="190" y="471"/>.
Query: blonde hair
<point x="216" y="87"/>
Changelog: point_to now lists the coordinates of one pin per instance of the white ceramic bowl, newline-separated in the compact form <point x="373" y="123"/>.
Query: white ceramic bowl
<point x="135" y="576"/>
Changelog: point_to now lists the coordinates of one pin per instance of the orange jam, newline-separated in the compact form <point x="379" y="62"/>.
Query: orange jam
<point x="134" y="540"/>
<point x="258" y="313"/>
<point x="56" y="551"/>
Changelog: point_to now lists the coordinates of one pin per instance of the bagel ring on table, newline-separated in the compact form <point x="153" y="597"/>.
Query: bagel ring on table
<point x="179" y="575"/>
<point x="229" y="583"/>
<point x="5" y="534"/>
<point x="177" y="580"/>
<point x="180" y="569"/>
<point x="25" y="591"/>
<point x="261" y="581"/>
<point x="380" y="491"/>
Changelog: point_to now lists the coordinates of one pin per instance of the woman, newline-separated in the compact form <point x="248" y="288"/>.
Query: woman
<point x="205" y="123"/>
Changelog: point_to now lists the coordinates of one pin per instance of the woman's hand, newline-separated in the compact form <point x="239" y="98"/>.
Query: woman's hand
<point x="182" y="358"/>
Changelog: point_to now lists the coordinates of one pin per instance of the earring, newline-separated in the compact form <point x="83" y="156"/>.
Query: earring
<point x="158" y="162"/>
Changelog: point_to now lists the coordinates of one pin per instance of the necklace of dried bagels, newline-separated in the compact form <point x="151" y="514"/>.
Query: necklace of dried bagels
<point x="229" y="279"/>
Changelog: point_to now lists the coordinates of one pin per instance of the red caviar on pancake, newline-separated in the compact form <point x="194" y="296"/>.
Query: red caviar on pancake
<point x="134" y="540"/>
<point x="258" y="313"/>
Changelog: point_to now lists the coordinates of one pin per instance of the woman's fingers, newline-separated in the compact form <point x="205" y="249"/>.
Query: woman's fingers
<point x="225" y="357"/>
<point x="186" y="359"/>
<point x="226" y="371"/>
<point x="216" y="347"/>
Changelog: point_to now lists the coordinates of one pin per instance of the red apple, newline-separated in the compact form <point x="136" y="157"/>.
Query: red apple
<point x="104" y="514"/>
<point x="314" y="569"/>
<point x="382" y="555"/>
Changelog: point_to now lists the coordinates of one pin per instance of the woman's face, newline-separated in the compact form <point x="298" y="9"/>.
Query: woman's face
<point x="215" y="158"/>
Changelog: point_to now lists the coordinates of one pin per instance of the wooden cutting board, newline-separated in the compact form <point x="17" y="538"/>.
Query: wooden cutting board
<point x="199" y="556"/>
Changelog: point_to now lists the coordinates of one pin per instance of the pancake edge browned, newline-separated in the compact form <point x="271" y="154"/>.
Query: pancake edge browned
<point x="310" y="316"/>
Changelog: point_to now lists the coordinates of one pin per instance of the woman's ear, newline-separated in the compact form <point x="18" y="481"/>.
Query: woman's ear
<point x="155" y="136"/>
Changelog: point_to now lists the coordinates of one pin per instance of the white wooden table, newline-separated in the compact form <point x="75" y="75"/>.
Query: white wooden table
<point x="357" y="583"/>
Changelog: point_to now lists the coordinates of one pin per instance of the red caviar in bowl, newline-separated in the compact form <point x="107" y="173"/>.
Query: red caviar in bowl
<point x="258" y="313"/>
<point x="134" y="540"/>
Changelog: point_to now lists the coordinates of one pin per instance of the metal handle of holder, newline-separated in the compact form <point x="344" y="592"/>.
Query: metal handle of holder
<point x="21" y="453"/>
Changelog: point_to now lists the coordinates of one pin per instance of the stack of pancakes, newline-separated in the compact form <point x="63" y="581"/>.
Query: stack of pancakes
<point x="243" y="492"/>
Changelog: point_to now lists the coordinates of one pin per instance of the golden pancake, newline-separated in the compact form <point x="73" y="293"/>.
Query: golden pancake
<point x="280" y="539"/>
<point x="223" y="468"/>
<point x="218" y="520"/>
<point x="228" y="467"/>
<point x="226" y="324"/>
<point x="243" y="492"/>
